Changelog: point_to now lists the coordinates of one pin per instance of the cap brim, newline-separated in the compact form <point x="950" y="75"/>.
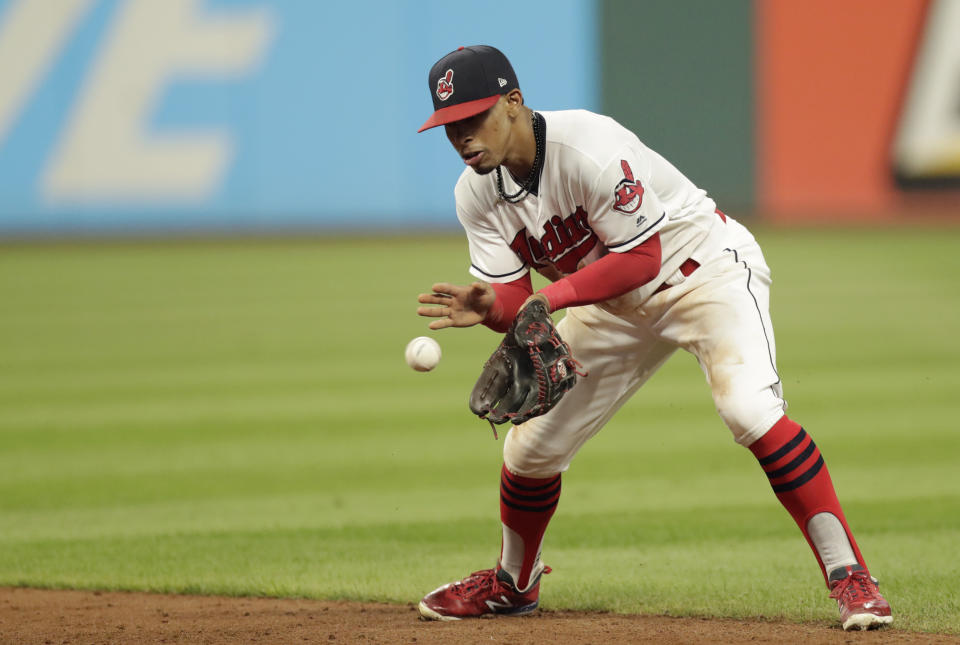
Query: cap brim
<point x="459" y="111"/>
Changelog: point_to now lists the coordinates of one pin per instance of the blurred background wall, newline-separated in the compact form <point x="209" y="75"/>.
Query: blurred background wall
<point x="136" y="115"/>
<point x="221" y="115"/>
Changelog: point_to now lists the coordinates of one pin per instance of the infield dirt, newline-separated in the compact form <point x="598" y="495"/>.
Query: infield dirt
<point x="79" y="617"/>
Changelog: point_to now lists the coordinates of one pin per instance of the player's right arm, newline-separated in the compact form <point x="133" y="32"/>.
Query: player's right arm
<point x="456" y="305"/>
<point x="493" y="305"/>
<point x="503" y="277"/>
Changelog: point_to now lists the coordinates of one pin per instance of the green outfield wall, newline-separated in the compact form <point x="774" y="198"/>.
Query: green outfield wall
<point x="680" y="75"/>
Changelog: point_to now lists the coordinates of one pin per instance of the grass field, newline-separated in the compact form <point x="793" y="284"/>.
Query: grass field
<point x="235" y="417"/>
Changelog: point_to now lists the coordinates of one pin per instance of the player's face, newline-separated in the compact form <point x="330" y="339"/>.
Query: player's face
<point x="482" y="141"/>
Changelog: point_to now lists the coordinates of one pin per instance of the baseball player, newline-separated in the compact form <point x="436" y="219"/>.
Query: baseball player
<point x="644" y="262"/>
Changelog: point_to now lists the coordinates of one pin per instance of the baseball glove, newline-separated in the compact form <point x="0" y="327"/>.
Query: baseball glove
<point x="528" y="373"/>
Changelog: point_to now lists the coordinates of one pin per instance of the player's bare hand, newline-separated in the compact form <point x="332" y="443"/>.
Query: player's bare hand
<point x="455" y="305"/>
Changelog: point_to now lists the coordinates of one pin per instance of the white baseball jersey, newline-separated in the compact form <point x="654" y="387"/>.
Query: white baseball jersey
<point x="600" y="190"/>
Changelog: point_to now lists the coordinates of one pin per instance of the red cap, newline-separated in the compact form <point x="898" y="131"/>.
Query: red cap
<point x="459" y="111"/>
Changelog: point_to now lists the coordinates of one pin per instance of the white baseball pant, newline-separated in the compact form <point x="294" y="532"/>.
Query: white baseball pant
<point x="719" y="313"/>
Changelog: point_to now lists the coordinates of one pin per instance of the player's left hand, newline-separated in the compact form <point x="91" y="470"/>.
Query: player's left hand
<point x="458" y="306"/>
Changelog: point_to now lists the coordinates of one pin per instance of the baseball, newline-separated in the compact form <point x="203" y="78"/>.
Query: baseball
<point x="423" y="353"/>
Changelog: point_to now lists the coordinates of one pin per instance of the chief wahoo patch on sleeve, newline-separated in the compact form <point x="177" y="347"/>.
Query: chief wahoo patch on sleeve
<point x="628" y="195"/>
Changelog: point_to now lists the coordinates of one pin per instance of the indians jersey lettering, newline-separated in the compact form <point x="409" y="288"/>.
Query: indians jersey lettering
<point x="564" y="243"/>
<point x="600" y="191"/>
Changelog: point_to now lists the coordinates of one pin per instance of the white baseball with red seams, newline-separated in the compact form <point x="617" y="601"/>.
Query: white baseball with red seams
<point x="423" y="353"/>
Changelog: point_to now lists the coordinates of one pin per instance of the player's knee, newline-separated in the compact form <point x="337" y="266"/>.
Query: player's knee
<point x="748" y="415"/>
<point x="525" y="456"/>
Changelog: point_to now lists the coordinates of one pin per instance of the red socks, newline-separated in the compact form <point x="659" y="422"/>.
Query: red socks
<point x="800" y="479"/>
<point x="526" y="506"/>
<point x="786" y="452"/>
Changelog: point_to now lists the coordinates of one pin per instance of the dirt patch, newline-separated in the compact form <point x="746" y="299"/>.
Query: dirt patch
<point x="80" y="617"/>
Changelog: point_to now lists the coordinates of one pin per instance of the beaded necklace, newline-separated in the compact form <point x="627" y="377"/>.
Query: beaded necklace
<point x="541" y="144"/>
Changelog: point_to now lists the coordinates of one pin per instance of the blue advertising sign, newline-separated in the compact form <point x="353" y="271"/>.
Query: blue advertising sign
<point x="147" y="115"/>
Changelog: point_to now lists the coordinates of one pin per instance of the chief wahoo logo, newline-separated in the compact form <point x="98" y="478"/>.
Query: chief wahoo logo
<point x="628" y="195"/>
<point x="445" y="86"/>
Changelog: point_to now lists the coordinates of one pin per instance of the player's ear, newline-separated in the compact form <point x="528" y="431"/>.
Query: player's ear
<point x="514" y="102"/>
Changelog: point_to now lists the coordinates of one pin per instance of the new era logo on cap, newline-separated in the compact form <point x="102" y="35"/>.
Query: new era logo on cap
<point x="483" y="74"/>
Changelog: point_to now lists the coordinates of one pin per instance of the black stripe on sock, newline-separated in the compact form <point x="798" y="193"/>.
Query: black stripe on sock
<point x="802" y="479"/>
<point x="522" y="497"/>
<point x="529" y="509"/>
<point x="514" y="484"/>
<point x="794" y="463"/>
<point x="784" y="449"/>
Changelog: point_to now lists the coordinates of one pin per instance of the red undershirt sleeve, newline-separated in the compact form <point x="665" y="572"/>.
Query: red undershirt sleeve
<point x="510" y="295"/>
<point x="612" y="275"/>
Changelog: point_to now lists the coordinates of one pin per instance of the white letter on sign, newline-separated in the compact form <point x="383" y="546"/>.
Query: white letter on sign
<point x="31" y="35"/>
<point x="108" y="154"/>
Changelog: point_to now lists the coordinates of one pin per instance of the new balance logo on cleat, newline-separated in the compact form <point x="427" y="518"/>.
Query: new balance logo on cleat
<point x="503" y="604"/>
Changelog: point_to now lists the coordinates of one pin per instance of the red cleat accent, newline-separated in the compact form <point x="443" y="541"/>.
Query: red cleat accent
<point x="861" y="604"/>
<point x="482" y="593"/>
